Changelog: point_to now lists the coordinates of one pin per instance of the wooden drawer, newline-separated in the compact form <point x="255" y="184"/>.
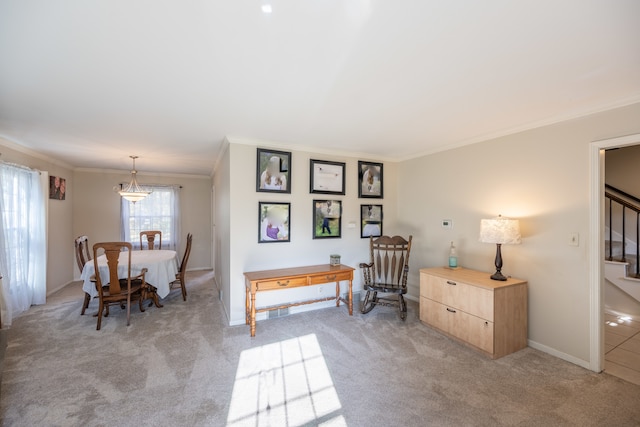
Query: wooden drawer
<point x="431" y="314"/>
<point x="471" y="299"/>
<point x="281" y="283"/>
<point x="330" y="277"/>
<point x="477" y="332"/>
<point x="459" y="324"/>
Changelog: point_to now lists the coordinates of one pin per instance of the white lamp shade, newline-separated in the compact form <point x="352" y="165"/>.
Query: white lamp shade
<point x="500" y="230"/>
<point x="134" y="196"/>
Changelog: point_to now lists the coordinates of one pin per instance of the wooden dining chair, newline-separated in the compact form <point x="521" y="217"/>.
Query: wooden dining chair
<point x="150" y="236"/>
<point x="386" y="273"/>
<point x="82" y="257"/>
<point x="180" y="276"/>
<point x="117" y="290"/>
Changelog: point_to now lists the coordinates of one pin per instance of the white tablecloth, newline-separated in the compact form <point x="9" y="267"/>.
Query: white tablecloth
<point x="162" y="266"/>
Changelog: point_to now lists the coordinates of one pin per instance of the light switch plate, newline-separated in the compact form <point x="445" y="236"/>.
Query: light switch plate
<point x="574" y="239"/>
<point x="447" y="223"/>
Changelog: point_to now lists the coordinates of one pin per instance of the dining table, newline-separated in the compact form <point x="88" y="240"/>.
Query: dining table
<point x="161" y="265"/>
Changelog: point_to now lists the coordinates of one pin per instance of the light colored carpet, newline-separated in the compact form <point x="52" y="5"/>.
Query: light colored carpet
<point x="181" y="365"/>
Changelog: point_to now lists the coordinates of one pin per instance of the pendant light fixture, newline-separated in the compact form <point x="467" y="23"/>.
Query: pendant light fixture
<point x="132" y="191"/>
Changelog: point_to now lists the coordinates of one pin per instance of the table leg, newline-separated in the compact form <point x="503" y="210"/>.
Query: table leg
<point x="338" y="294"/>
<point x="350" y="297"/>
<point x="253" y="313"/>
<point x="151" y="293"/>
<point x="246" y="306"/>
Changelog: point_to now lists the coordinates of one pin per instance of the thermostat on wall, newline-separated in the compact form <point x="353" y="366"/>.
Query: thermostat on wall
<point x="447" y="223"/>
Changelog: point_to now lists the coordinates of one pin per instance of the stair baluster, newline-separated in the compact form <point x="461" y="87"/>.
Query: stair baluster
<point x="626" y="201"/>
<point x="624" y="235"/>
<point x="610" y="257"/>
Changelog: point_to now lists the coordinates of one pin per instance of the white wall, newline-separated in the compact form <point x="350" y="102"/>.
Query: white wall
<point x="96" y="210"/>
<point x="539" y="176"/>
<point x="246" y="254"/>
<point x="60" y="245"/>
<point x="222" y="215"/>
<point x="622" y="169"/>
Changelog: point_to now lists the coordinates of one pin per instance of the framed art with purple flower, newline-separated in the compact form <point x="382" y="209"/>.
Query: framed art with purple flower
<point x="273" y="222"/>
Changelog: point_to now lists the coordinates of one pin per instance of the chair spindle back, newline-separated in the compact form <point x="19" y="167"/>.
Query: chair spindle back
<point x="82" y="251"/>
<point x="112" y="252"/>
<point x="390" y="257"/>
<point x="187" y="252"/>
<point x="150" y="237"/>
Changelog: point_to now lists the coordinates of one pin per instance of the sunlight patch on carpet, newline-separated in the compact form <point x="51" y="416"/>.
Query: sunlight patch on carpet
<point x="285" y="383"/>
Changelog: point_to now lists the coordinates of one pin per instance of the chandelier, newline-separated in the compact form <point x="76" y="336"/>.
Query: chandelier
<point x="132" y="191"/>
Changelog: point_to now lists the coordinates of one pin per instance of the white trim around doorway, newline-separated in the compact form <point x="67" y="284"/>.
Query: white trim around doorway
<point x="596" y="244"/>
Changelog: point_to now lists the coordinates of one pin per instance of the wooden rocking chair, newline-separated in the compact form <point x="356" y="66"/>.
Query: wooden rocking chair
<point x="387" y="273"/>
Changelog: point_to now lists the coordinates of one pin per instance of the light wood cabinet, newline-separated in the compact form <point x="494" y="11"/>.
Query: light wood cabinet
<point x="488" y="315"/>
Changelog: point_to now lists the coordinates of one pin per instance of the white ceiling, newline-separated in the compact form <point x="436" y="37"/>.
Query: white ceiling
<point x="91" y="82"/>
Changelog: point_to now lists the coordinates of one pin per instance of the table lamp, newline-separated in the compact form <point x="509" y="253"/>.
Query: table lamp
<point x="501" y="231"/>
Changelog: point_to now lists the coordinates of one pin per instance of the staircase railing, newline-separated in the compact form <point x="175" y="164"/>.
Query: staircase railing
<point x="627" y="202"/>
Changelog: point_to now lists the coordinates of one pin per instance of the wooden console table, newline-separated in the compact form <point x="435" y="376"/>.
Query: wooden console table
<point x="286" y="278"/>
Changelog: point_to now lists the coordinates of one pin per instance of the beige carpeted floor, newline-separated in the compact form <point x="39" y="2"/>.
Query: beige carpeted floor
<point x="180" y="365"/>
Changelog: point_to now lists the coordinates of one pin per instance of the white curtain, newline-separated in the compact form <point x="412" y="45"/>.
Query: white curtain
<point x="23" y="241"/>
<point x="160" y="210"/>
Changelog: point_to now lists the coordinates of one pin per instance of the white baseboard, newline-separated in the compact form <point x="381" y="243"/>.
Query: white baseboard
<point x="559" y="354"/>
<point x="412" y="298"/>
<point x="199" y="269"/>
<point x="239" y="322"/>
<point x="49" y="292"/>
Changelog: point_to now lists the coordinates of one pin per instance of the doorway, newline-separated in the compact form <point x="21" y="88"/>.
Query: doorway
<point x="621" y="296"/>
<point x="596" y="243"/>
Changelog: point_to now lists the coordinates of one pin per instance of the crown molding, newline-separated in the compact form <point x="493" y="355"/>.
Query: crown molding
<point x="308" y="149"/>
<point x="139" y="173"/>
<point x="635" y="99"/>
<point x="6" y="141"/>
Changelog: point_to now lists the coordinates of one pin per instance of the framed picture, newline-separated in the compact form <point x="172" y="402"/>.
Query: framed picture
<point x="273" y="171"/>
<point x="327" y="219"/>
<point x="370" y="180"/>
<point x="327" y="177"/>
<point x="274" y="220"/>
<point x="57" y="188"/>
<point x="370" y="220"/>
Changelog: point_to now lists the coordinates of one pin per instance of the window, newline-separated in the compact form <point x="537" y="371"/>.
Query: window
<point x="158" y="211"/>
<point x="23" y="244"/>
